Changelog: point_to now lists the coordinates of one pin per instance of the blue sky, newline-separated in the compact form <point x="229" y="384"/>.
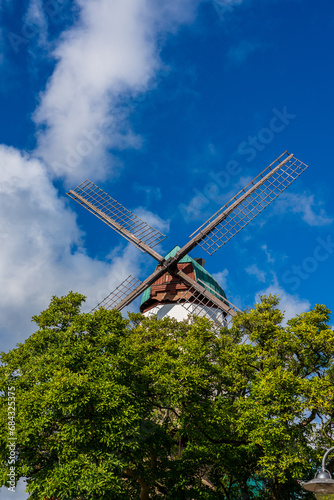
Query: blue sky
<point x="152" y="101"/>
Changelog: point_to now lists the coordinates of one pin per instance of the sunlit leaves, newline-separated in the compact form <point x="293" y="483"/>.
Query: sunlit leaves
<point x="109" y="408"/>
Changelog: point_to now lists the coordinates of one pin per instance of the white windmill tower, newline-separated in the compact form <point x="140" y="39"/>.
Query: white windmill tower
<point x="180" y="285"/>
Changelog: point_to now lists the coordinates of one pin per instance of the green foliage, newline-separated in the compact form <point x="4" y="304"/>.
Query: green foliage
<point x="109" y="408"/>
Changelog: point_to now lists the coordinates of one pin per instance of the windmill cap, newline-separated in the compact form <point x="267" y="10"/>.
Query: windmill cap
<point x="200" y="261"/>
<point x="201" y="275"/>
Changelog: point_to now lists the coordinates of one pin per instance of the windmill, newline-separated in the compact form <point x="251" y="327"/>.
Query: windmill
<point x="179" y="280"/>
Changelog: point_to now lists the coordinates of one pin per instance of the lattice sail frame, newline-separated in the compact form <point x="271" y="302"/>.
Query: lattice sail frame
<point x="117" y="295"/>
<point x="212" y="235"/>
<point x="198" y="305"/>
<point x="108" y="210"/>
<point x="252" y="204"/>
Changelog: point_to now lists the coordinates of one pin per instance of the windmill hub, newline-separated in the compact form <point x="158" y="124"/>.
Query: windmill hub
<point x="168" y="294"/>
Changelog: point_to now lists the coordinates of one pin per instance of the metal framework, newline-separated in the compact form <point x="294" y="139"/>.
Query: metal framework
<point x="118" y="294"/>
<point x="199" y="304"/>
<point x="203" y="295"/>
<point x="118" y="217"/>
<point x="248" y="203"/>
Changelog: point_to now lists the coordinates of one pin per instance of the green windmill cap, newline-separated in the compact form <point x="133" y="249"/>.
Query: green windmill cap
<point x="200" y="274"/>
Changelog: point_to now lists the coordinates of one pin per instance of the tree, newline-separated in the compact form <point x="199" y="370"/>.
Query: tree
<point x="114" y="408"/>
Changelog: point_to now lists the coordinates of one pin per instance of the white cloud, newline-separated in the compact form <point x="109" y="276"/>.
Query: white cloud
<point x="42" y="252"/>
<point x="224" y="7"/>
<point x="152" y="219"/>
<point x="253" y="270"/>
<point x="311" y="210"/>
<point x="36" y="22"/>
<point x="221" y="277"/>
<point x="152" y="193"/>
<point x="111" y="50"/>
<point x="270" y="259"/>
<point x="195" y="209"/>
<point x="212" y="196"/>
<point x="290" y="304"/>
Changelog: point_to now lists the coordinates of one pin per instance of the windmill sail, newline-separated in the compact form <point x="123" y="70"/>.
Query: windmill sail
<point x="212" y="235"/>
<point x="118" y="217"/>
<point x="248" y="203"/>
<point x="121" y="300"/>
<point x="115" y="297"/>
<point x="200" y="299"/>
<point x="198" y="305"/>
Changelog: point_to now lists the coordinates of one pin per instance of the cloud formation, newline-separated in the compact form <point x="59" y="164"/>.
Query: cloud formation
<point x="253" y="270"/>
<point x="304" y="204"/>
<point x="36" y="23"/>
<point x="270" y="258"/>
<point x="221" y="277"/>
<point x="42" y="249"/>
<point x="112" y="50"/>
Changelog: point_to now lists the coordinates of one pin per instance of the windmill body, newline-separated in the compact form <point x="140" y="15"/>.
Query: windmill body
<point x="168" y="294"/>
<point x="180" y="286"/>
